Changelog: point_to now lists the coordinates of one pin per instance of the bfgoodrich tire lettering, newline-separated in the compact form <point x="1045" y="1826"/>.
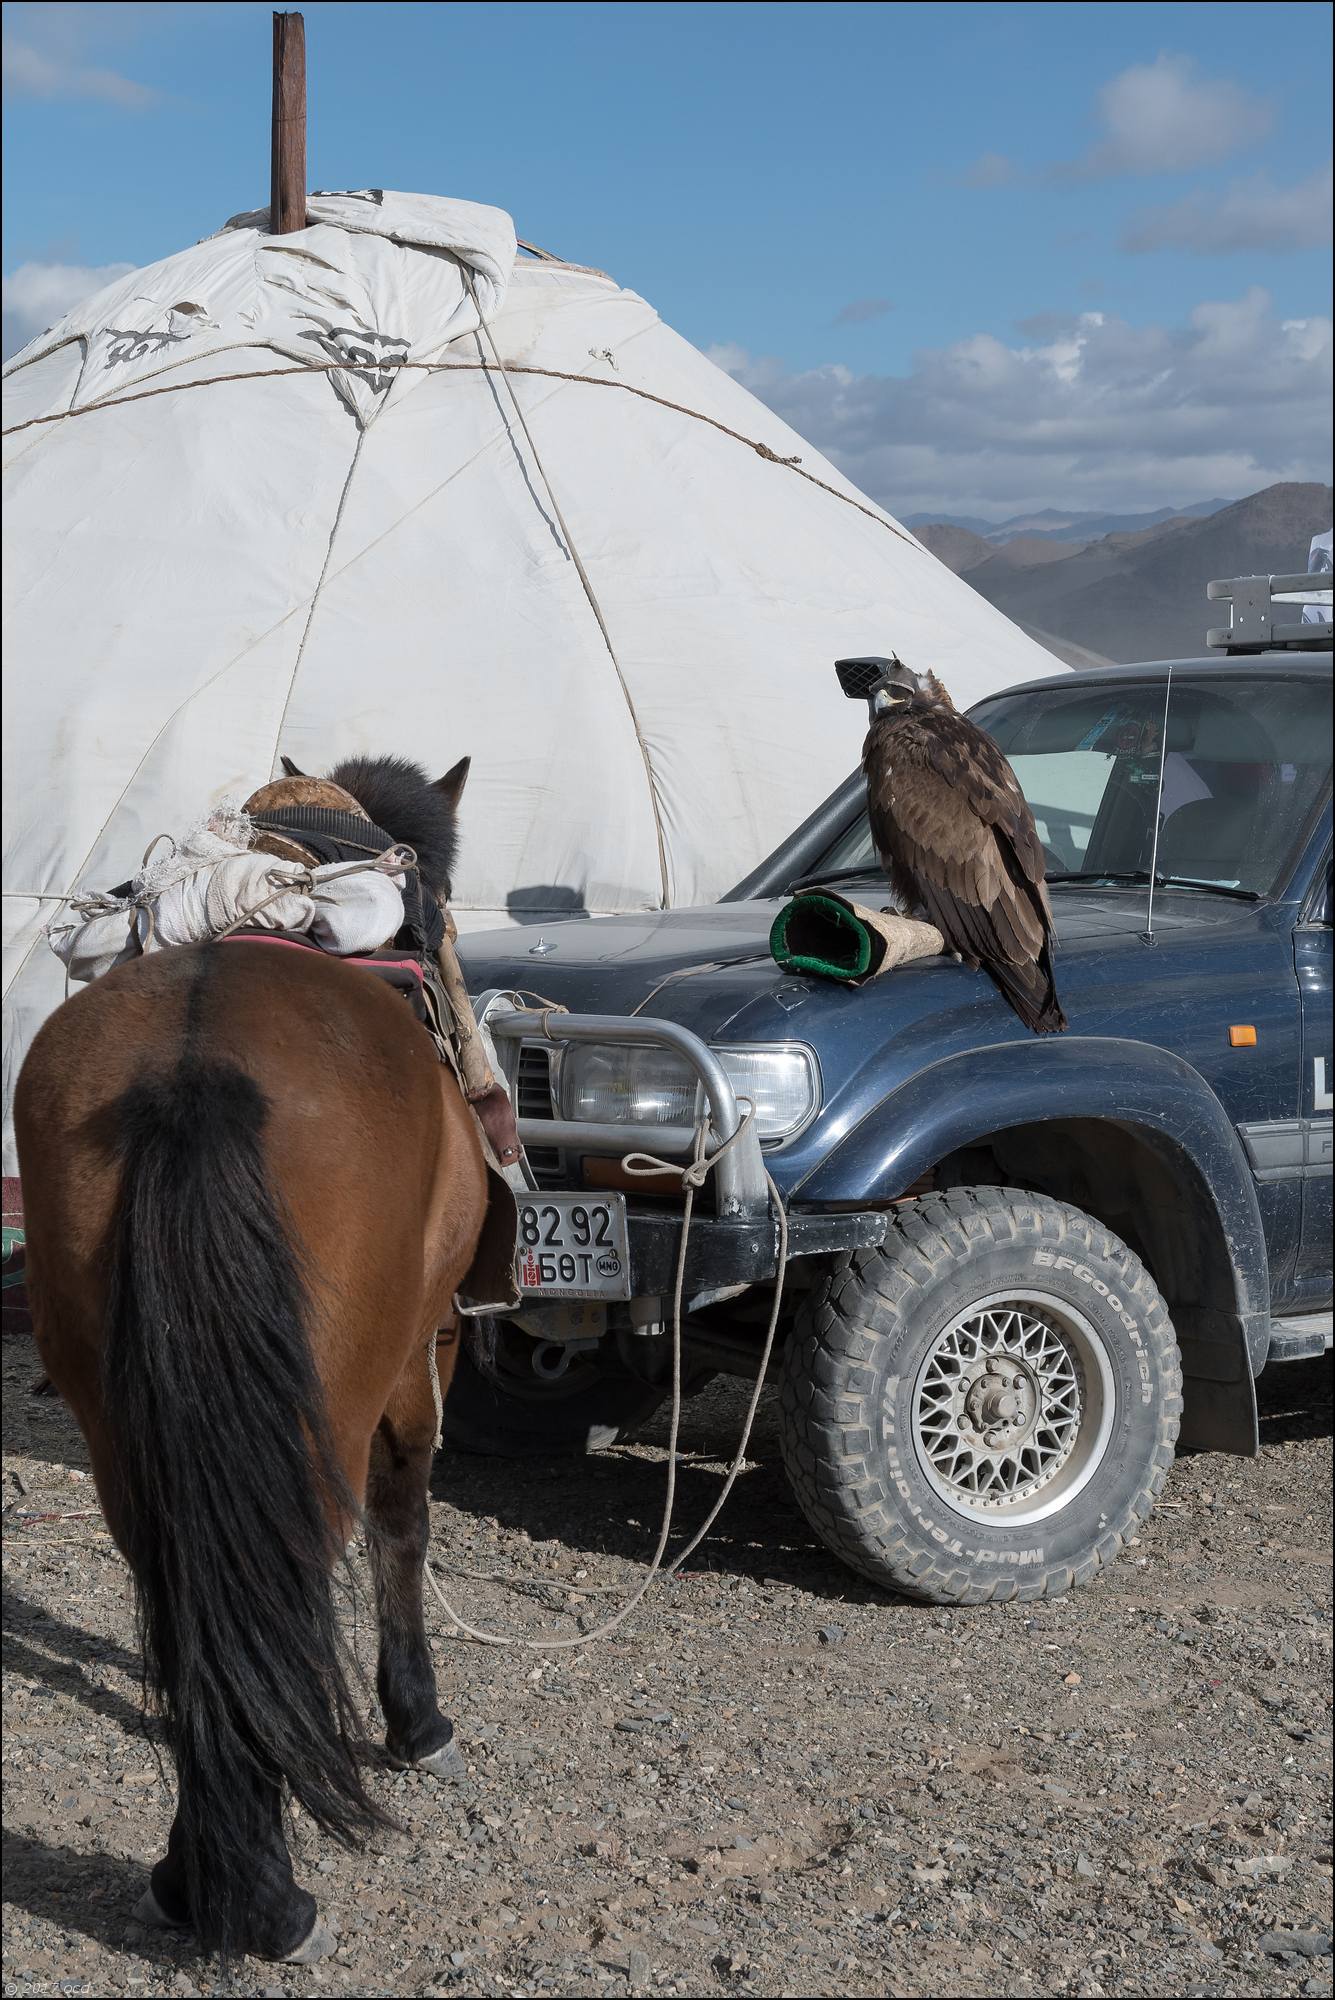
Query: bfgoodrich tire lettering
<point x="855" y="1444"/>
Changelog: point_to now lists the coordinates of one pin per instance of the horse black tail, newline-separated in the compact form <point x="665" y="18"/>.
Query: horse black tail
<point x="226" y="1487"/>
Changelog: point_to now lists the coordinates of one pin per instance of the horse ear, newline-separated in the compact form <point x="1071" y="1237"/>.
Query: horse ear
<point x="452" y="784"/>
<point x="293" y="770"/>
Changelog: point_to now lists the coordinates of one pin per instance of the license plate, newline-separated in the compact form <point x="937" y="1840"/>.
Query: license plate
<point x="573" y="1246"/>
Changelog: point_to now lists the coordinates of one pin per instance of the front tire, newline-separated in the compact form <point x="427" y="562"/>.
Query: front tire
<point x="986" y="1406"/>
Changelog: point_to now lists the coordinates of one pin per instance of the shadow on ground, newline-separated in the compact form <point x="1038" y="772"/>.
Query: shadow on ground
<point x="91" y="1895"/>
<point x="35" y="1426"/>
<point x="1294" y="1401"/>
<point x="62" y="1658"/>
<point x="612" y="1502"/>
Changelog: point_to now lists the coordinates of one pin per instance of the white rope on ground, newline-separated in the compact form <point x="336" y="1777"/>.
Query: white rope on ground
<point x="693" y="1177"/>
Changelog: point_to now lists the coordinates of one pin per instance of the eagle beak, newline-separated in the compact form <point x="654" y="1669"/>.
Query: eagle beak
<point x="869" y="679"/>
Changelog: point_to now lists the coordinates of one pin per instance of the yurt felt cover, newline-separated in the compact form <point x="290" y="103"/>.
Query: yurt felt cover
<point x="286" y="493"/>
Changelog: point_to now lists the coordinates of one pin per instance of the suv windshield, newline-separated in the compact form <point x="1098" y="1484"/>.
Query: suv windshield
<point x="1247" y="761"/>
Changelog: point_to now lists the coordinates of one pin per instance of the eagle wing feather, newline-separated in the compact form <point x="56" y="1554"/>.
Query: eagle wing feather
<point x="955" y="832"/>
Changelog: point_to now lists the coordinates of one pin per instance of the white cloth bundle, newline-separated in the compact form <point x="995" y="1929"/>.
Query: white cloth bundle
<point x="211" y="881"/>
<point x="207" y="902"/>
<point x="102" y="935"/>
<point x="355" y="912"/>
<point x="343" y="912"/>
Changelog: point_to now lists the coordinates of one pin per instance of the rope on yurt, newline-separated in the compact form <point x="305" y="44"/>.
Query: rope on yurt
<point x="313" y="606"/>
<point x="596" y="608"/>
<point x="761" y="450"/>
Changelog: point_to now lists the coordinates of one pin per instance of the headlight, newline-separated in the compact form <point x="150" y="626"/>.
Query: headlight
<point x="782" y="1083"/>
<point x="621" y="1083"/>
<point x="629" y="1084"/>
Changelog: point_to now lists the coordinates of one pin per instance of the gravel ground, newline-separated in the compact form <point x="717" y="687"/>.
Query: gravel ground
<point x="772" y="1781"/>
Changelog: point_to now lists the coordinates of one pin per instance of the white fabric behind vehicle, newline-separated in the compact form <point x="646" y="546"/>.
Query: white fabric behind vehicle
<point x="244" y="513"/>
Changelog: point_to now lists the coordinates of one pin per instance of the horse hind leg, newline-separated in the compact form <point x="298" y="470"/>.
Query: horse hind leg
<point x="279" y="1911"/>
<point x="397" y="1523"/>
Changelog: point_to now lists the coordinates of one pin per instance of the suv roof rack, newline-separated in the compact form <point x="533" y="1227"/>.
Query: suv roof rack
<point x="1253" y="625"/>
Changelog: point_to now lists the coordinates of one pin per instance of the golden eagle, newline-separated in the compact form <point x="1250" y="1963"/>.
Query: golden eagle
<point x="954" y="834"/>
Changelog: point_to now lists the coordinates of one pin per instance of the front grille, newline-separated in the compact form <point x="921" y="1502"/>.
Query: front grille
<point x="533" y="1099"/>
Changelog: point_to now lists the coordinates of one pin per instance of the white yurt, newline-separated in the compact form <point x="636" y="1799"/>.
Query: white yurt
<point x="392" y="483"/>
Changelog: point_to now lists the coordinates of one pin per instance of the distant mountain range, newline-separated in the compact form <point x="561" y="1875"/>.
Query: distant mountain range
<point x="1136" y="591"/>
<point x="1054" y="525"/>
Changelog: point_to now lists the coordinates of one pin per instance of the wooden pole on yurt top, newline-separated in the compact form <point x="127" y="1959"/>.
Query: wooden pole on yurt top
<point x="287" y="169"/>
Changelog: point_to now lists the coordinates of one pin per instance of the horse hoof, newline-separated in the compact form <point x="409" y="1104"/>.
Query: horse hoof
<point x="148" y="1910"/>
<point x="318" y="1944"/>
<point x="445" y="1763"/>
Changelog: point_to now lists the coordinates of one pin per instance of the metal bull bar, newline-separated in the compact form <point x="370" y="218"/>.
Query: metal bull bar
<point x="740" y="1173"/>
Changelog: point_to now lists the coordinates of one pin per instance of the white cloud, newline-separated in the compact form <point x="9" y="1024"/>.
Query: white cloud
<point x="1164" y="118"/>
<point x="1085" y="411"/>
<point x="50" y="52"/>
<point x="37" y="295"/>
<point x="30" y="73"/>
<point x="1251" y="215"/>
<point x="1155" y="118"/>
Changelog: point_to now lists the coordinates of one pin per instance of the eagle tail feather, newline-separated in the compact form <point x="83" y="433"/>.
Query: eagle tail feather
<point x="1031" y="992"/>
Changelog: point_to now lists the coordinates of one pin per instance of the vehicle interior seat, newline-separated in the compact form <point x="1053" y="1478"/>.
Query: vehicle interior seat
<point x="1207" y="837"/>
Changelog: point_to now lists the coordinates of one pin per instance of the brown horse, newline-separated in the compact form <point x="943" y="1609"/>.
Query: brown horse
<point x="251" y="1191"/>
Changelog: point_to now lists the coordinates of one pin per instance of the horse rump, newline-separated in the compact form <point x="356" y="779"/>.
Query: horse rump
<point x="230" y="1499"/>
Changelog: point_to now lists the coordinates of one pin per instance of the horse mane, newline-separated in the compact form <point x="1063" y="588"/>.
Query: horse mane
<point x="399" y="796"/>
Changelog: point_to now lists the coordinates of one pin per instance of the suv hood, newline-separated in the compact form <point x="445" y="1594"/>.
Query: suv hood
<point x="710" y="971"/>
<point x="614" y="965"/>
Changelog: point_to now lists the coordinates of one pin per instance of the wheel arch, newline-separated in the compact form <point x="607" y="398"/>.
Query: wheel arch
<point x="1127" y="1132"/>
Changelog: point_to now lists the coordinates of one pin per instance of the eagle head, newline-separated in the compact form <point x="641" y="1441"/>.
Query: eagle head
<point x="885" y="683"/>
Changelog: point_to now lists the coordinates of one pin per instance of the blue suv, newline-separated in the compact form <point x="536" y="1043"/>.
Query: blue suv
<point x="1021" y="1270"/>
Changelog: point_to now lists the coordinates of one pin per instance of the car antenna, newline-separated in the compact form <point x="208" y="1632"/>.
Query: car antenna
<point x="1147" y="935"/>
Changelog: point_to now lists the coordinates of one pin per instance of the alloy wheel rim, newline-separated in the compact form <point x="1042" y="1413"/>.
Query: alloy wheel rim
<point x="1013" y="1408"/>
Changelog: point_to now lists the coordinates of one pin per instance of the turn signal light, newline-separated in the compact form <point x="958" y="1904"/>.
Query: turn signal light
<point x="1242" y="1038"/>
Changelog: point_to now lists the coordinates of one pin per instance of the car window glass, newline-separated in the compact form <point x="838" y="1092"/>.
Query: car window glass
<point x="1247" y="761"/>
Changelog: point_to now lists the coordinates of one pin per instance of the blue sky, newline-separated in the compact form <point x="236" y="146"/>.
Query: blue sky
<point x="870" y="213"/>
